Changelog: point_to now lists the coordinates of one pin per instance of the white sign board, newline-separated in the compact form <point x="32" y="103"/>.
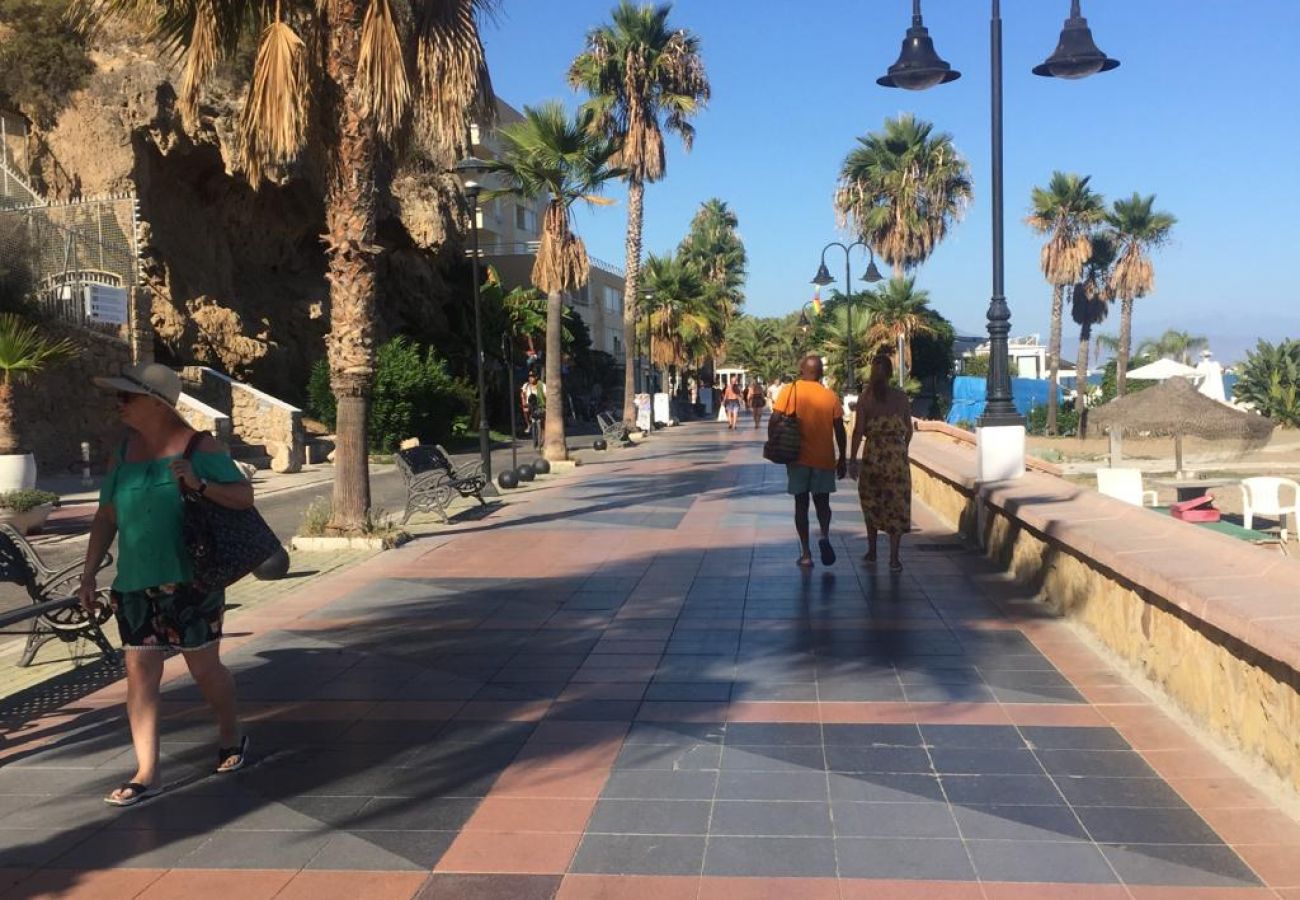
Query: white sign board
<point x="105" y="304"/>
<point x="643" y="412"/>
<point x="661" y="413"/>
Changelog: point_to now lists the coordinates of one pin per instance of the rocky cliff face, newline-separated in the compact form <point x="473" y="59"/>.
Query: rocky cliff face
<point x="236" y="275"/>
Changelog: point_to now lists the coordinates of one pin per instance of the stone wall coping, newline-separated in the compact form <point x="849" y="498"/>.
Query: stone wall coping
<point x="1230" y="585"/>
<point x="201" y="408"/>
<point x="240" y="386"/>
<point x="968" y="437"/>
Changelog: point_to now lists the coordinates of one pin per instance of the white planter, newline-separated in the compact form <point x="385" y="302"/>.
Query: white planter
<point x="17" y="472"/>
<point x="28" y="521"/>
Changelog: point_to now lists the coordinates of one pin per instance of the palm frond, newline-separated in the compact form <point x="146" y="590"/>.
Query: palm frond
<point x="452" y="80"/>
<point x="273" y="125"/>
<point x="381" y="70"/>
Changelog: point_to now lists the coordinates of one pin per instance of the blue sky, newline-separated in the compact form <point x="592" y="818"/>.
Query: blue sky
<point x="1203" y="112"/>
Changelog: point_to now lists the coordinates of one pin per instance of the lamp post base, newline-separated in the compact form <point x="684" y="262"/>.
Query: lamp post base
<point x="1000" y="452"/>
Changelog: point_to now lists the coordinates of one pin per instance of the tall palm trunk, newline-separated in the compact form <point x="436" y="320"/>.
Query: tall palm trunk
<point x="1125" y="340"/>
<point x="350" y="251"/>
<point x="553" y="447"/>
<point x="631" y="289"/>
<point x="1081" y="386"/>
<point x="8" y="429"/>
<point x="1054" y="356"/>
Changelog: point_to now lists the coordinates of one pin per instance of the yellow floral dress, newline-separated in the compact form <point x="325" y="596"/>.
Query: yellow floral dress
<point x="885" y="479"/>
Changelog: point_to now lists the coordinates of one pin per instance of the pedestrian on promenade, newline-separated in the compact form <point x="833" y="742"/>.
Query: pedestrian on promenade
<point x="731" y="399"/>
<point x="884" y="421"/>
<point x="812" y="476"/>
<point x="156" y="605"/>
<point x="774" y="390"/>
<point x="756" y="400"/>
<point x="532" y="399"/>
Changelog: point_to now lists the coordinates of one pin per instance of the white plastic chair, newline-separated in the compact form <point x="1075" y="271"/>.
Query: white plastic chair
<point x="1126" y="485"/>
<point x="1263" y="497"/>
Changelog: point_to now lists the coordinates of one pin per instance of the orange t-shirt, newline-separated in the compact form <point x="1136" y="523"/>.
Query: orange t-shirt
<point x="817" y="409"/>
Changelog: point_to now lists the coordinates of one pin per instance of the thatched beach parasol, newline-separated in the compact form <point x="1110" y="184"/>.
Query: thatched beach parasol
<point x="1175" y="408"/>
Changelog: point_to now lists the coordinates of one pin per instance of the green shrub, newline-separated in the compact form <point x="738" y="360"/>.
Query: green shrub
<point x="413" y="396"/>
<point x="43" y="60"/>
<point x="1270" y="381"/>
<point x="1067" y="420"/>
<point x="26" y="499"/>
<point x="315" y="517"/>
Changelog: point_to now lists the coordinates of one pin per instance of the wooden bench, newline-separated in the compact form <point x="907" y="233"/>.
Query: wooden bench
<point x="54" y="611"/>
<point x="433" y="481"/>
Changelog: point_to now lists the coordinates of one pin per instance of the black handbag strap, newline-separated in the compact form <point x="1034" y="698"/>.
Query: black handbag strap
<point x="189" y="454"/>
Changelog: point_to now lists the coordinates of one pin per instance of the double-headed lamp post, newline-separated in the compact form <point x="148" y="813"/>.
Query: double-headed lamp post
<point x="1001" y="430"/>
<point x="470" y="169"/>
<point x="823" y="278"/>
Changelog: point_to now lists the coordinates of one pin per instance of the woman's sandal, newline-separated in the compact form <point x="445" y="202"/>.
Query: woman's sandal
<point x="134" y="791"/>
<point x="804" y="562"/>
<point x="895" y="565"/>
<point x="239" y="754"/>
<point x="827" y="551"/>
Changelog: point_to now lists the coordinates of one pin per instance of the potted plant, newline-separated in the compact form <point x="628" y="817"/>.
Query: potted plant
<point x="26" y="510"/>
<point x="23" y="353"/>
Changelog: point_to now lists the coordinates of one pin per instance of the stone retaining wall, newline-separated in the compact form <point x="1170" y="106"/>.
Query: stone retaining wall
<point x="202" y="417"/>
<point x="257" y="418"/>
<point x="1211" y="621"/>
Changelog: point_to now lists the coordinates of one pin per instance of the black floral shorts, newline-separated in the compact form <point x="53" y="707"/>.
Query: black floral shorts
<point x="169" y="617"/>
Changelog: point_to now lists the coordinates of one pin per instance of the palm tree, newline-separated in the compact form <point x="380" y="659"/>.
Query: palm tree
<point x="339" y="83"/>
<point x="552" y="155"/>
<point x="644" y="78"/>
<point x="713" y="246"/>
<point x="896" y="312"/>
<point x="1090" y="305"/>
<point x="1176" y="345"/>
<point x="1136" y="228"/>
<point x="1108" y="343"/>
<point x="681" y="319"/>
<point x="1066" y="210"/>
<point x="902" y="190"/>
<point x="23" y="353"/>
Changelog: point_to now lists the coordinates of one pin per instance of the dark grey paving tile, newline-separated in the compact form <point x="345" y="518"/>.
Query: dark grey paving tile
<point x="1019" y="823"/>
<point x="383" y="851"/>
<point x="1122" y="825"/>
<point x="674" y="733"/>
<point x="870" y="691"/>
<point x="790" y="691"/>
<point x="666" y="757"/>
<point x="773" y="759"/>
<point x="660" y="785"/>
<point x="34" y="847"/>
<point x="884" y="787"/>
<point x="718" y="692"/>
<point x="953" y="761"/>
<point x="136" y="850"/>
<point x="618" y="854"/>
<point x="415" y="814"/>
<point x="1184" y="865"/>
<point x="1011" y="790"/>
<point x="1037" y="695"/>
<point x="771" y="856"/>
<point x="973" y="737"/>
<point x="1067" y="863"/>
<point x="1141" y="792"/>
<point x="771" y="818"/>
<point x="749" y="785"/>
<point x="911" y="760"/>
<point x="684" y="817"/>
<point x="1100" y="763"/>
<point x="255" y="850"/>
<point x="1042" y="737"/>
<point x="902" y="858"/>
<point x="872" y="736"/>
<point x="886" y="820"/>
<point x="765" y="734"/>
<point x="594" y="711"/>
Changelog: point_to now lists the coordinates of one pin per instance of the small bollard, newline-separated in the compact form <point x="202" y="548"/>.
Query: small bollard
<point x="86" y="480"/>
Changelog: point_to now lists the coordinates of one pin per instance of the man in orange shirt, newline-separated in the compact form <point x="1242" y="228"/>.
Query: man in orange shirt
<point x="821" y="429"/>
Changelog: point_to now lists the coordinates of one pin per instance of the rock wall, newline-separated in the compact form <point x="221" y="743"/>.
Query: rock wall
<point x="255" y="417"/>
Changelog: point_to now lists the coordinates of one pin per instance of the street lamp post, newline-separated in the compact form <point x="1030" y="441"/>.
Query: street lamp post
<point x="1001" y="430"/>
<point x="470" y="169"/>
<point x="508" y="354"/>
<point x="823" y="278"/>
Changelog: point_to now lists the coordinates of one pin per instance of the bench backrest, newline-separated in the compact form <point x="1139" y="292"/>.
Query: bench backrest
<point x="421" y="459"/>
<point x="16" y="563"/>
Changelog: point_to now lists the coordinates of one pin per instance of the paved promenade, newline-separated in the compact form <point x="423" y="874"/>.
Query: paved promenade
<point x="623" y="689"/>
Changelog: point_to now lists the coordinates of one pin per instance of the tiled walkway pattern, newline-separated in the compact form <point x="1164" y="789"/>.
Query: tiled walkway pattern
<point x="626" y="690"/>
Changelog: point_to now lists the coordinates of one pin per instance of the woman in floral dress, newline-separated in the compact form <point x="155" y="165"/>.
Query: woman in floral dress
<point x="884" y="421"/>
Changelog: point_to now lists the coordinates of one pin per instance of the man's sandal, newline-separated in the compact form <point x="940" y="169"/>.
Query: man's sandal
<point x="133" y="792"/>
<point x="231" y="759"/>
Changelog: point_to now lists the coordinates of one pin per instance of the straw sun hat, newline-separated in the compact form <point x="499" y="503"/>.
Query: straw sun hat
<point x="151" y="379"/>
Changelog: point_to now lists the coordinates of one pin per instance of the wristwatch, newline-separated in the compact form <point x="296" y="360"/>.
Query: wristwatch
<point x="203" y="486"/>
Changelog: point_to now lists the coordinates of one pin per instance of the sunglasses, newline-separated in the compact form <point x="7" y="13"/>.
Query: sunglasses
<point x="125" y="397"/>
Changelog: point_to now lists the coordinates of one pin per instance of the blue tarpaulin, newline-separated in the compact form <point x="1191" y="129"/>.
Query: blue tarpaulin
<point x="969" y="393"/>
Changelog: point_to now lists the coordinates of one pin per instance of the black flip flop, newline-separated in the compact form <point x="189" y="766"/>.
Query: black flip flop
<point x="828" y="552"/>
<point x="240" y="753"/>
<point x="139" y="793"/>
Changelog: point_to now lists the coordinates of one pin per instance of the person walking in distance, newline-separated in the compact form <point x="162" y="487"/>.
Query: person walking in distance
<point x="532" y="399"/>
<point x="774" y="391"/>
<point x="756" y="400"/>
<point x="731" y="402"/>
<point x="884" y="422"/>
<point x="157" y="606"/>
<point x="812" y="476"/>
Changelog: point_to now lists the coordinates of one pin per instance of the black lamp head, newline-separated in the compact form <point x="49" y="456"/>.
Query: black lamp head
<point x="804" y="324"/>
<point x="918" y="67"/>
<point x="470" y="170"/>
<point x="873" y="274"/>
<point x="823" y="276"/>
<point x="1077" y="55"/>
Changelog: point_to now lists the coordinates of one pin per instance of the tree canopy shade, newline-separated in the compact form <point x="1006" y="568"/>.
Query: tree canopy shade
<point x="550" y="154"/>
<point x="902" y="189"/>
<point x="1136" y="228"/>
<point x="643" y="78"/>
<point x="1066" y="212"/>
<point x="335" y="83"/>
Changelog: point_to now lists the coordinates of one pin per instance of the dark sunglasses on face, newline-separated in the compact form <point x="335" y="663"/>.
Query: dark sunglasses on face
<point x="125" y="397"/>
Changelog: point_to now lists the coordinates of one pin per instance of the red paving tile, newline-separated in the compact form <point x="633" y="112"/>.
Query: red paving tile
<point x="110" y="884"/>
<point x="1220" y="792"/>
<point x="1002" y="891"/>
<point x="514" y="814"/>
<point x="1148" y="892"/>
<point x="1277" y="864"/>
<point x="217" y="884"/>
<point x="770" y="889"/>
<point x="628" y="887"/>
<point x="352" y="886"/>
<point x="531" y="853"/>
<point x="1254" y="826"/>
<point x="551" y="783"/>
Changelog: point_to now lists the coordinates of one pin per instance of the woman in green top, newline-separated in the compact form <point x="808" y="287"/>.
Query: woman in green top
<point x="156" y="606"/>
